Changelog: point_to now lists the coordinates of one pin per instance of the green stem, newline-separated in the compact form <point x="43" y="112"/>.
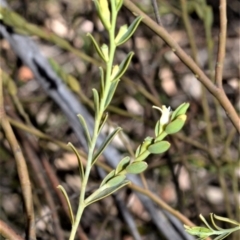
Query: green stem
<point x="98" y="118"/>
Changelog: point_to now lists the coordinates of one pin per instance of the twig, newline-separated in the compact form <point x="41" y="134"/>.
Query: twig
<point x="38" y="173"/>
<point x="189" y="30"/>
<point x="7" y="232"/>
<point x="21" y="168"/>
<point x="222" y="43"/>
<point x="156" y="11"/>
<point x="218" y="93"/>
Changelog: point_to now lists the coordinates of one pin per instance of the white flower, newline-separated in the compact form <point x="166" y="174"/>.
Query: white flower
<point x="166" y="114"/>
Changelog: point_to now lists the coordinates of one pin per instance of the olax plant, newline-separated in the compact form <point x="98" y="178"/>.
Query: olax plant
<point x="205" y="232"/>
<point x="169" y="123"/>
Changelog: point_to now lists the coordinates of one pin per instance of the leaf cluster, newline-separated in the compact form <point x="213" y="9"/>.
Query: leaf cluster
<point x="204" y="232"/>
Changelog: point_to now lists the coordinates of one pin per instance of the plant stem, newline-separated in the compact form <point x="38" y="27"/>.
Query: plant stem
<point x="103" y="98"/>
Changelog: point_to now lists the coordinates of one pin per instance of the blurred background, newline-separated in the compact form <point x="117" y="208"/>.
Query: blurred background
<point x="186" y="177"/>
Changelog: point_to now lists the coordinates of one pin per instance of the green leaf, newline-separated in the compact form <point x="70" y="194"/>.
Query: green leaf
<point x="96" y="101"/>
<point x="142" y="156"/>
<point x="223" y="236"/>
<point x="85" y="128"/>
<point x="136" y="167"/>
<point x="175" y="125"/>
<point x="103" y="122"/>
<point x="182" y="109"/>
<point x="105" y="52"/>
<point x="119" y="4"/>
<point x="138" y="150"/>
<point x="105" y="144"/>
<point x="159" y="147"/>
<point x="123" y="66"/>
<point x="143" y="147"/>
<point x="158" y="128"/>
<point x="205" y="222"/>
<point x="80" y="165"/>
<point x="104" y="191"/>
<point x="111" y="93"/>
<point x="108" y="177"/>
<point x="132" y="28"/>
<point x="213" y="222"/>
<point x="122" y="30"/>
<point x="228" y="220"/>
<point x="199" y="231"/>
<point x="68" y="203"/>
<point x="99" y="51"/>
<point x="161" y="136"/>
<point x="116" y="181"/>
<point x="199" y="8"/>
<point x="122" y="164"/>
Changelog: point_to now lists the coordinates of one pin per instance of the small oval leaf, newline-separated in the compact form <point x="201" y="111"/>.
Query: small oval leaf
<point x="85" y="128"/>
<point x="105" y="52"/>
<point x="138" y="151"/>
<point x="122" y="164"/>
<point x="103" y="192"/>
<point x="175" y="126"/>
<point x="105" y="144"/>
<point x="123" y="66"/>
<point x="182" y="109"/>
<point x="102" y="80"/>
<point x="136" y="167"/>
<point x="108" y="177"/>
<point x="143" y="147"/>
<point x="142" y="156"/>
<point x="161" y="136"/>
<point x="201" y="232"/>
<point x="115" y="181"/>
<point x="159" y="147"/>
<point x="119" y="4"/>
<point x="158" y="128"/>
<point x="105" y="117"/>
<point x="99" y="51"/>
<point x="111" y="92"/>
<point x="132" y="28"/>
<point x="96" y="101"/>
<point x="80" y="165"/>
<point x="68" y="203"/>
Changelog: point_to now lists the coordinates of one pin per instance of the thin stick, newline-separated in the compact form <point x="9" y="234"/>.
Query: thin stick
<point x="189" y="30"/>
<point x="41" y="180"/>
<point x="7" y="232"/>
<point x="21" y="167"/>
<point x="156" y="11"/>
<point x="222" y="43"/>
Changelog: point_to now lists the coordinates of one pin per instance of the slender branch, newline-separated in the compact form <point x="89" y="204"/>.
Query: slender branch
<point x="222" y="43"/>
<point x="218" y="93"/>
<point x="189" y="30"/>
<point x="156" y="11"/>
<point x="7" y="232"/>
<point x="47" y="192"/>
<point x="21" y="167"/>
